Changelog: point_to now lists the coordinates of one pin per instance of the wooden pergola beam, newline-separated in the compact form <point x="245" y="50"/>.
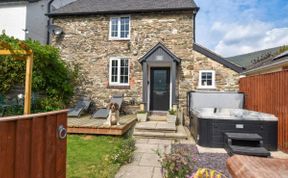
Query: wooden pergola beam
<point x="28" y="79"/>
<point x="6" y="52"/>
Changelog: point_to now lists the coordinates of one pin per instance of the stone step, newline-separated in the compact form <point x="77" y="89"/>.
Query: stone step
<point x="153" y="126"/>
<point x="157" y="118"/>
<point x="180" y="134"/>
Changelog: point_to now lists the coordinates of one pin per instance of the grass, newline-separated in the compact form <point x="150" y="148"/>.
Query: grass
<point x="97" y="156"/>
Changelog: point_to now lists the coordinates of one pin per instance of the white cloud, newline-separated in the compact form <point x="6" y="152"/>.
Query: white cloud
<point x="232" y="27"/>
<point x="239" y="39"/>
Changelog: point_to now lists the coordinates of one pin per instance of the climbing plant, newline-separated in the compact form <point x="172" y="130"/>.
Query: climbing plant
<point x="50" y="77"/>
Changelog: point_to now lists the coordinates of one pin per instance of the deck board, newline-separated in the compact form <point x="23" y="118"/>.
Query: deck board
<point x="86" y="125"/>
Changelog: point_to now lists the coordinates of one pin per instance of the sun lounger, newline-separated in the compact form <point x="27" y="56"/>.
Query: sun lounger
<point x="81" y="107"/>
<point x="104" y="112"/>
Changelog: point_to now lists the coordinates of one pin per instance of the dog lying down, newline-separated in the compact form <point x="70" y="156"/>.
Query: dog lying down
<point x="113" y="117"/>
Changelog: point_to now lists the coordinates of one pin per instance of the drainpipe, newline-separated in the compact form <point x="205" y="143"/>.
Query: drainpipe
<point x="49" y="21"/>
<point x="194" y="23"/>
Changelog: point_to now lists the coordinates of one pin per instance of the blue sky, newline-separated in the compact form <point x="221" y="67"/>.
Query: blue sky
<point x="232" y="27"/>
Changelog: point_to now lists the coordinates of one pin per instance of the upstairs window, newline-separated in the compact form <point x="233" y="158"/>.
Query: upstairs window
<point x="119" y="72"/>
<point x="206" y="79"/>
<point x="120" y="28"/>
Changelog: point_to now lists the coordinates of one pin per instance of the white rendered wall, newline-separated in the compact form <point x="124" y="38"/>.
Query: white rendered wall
<point x="13" y="20"/>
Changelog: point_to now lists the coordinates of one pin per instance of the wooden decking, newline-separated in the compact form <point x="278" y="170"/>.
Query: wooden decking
<point x="85" y="125"/>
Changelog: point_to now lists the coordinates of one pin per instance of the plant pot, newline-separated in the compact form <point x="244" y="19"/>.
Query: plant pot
<point x="142" y="117"/>
<point x="171" y="118"/>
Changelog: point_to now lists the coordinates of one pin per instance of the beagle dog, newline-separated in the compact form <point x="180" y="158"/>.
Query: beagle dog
<point x="113" y="117"/>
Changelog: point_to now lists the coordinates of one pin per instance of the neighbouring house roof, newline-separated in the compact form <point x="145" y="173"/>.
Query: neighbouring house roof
<point x="212" y="55"/>
<point x="89" y="7"/>
<point x="271" y="62"/>
<point x="159" y="50"/>
<point x="246" y="60"/>
<point x="11" y="1"/>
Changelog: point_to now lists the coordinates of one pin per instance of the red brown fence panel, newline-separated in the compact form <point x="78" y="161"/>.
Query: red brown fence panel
<point x="33" y="146"/>
<point x="269" y="93"/>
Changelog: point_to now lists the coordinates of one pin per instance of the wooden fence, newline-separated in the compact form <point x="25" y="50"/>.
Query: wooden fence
<point x="31" y="147"/>
<point x="269" y="93"/>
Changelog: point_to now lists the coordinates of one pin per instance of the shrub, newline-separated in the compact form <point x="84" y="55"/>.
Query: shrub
<point x="111" y="163"/>
<point x="172" y="112"/>
<point x="50" y="77"/>
<point x="124" y="153"/>
<point x="176" y="164"/>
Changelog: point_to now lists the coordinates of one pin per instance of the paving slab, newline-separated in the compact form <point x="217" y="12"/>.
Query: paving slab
<point x="157" y="173"/>
<point x="142" y="140"/>
<point x="129" y="171"/>
<point x="159" y="141"/>
<point x="150" y="159"/>
<point x="210" y="150"/>
<point x="279" y="154"/>
<point x="164" y="148"/>
<point x="166" y="126"/>
<point x="136" y="158"/>
<point x="146" y="148"/>
<point x="146" y="125"/>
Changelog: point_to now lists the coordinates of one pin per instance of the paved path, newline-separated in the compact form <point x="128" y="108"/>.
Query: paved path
<point x="145" y="163"/>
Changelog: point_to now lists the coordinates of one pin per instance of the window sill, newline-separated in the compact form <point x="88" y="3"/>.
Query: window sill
<point x="119" y="39"/>
<point x="118" y="87"/>
<point x="206" y="88"/>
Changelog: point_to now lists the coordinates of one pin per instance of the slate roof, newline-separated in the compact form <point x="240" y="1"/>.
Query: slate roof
<point x="268" y="62"/>
<point x="88" y="7"/>
<point x="212" y="55"/>
<point x="246" y="60"/>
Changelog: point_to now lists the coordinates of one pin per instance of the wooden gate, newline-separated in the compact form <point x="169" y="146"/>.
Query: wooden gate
<point x="31" y="147"/>
<point x="269" y="93"/>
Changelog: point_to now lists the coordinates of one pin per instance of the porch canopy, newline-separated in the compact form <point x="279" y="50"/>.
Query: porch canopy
<point x="159" y="56"/>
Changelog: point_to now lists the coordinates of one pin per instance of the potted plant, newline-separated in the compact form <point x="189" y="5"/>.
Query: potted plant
<point x="171" y="117"/>
<point x="142" y="116"/>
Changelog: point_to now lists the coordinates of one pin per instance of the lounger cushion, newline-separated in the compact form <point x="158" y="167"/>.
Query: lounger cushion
<point x="101" y="113"/>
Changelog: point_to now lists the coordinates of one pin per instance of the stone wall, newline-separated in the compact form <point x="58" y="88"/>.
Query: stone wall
<point x="86" y="44"/>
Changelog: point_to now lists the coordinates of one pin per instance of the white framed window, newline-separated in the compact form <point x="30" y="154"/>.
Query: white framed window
<point x="206" y="79"/>
<point x="119" y="28"/>
<point x="119" y="71"/>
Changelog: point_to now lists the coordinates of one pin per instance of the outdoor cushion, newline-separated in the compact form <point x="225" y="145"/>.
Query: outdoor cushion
<point x="103" y="113"/>
<point x="81" y="106"/>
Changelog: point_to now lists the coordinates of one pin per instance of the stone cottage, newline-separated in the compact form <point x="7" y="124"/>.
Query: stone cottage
<point x="144" y="50"/>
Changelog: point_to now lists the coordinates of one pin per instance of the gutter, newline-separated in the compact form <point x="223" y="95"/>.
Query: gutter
<point x="251" y="71"/>
<point x="49" y="21"/>
<point x="120" y="12"/>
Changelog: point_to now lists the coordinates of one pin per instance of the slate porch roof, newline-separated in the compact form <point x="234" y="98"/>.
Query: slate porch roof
<point x="89" y="7"/>
<point x="164" y="48"/>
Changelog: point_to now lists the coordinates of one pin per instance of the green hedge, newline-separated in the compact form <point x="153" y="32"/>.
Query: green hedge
<point x="51" y="77"/>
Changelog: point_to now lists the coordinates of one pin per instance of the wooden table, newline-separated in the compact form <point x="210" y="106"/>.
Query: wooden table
<point x="257" y="167"/>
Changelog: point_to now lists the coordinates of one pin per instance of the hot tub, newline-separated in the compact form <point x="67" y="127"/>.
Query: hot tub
<point x="210" y="124"/>
<point x="214" y="113"/>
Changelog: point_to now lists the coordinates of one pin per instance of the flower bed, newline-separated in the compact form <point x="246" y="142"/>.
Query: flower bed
<point x="185" y="160"/>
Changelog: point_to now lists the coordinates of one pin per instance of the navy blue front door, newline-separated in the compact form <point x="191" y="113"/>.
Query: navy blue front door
<point x="160" y="89"/>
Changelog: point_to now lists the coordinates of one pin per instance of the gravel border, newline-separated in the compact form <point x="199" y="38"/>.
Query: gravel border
<point x="215" y="161"/>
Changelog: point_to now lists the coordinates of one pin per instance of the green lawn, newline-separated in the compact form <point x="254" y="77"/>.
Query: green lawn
<point x="96" y="156"/>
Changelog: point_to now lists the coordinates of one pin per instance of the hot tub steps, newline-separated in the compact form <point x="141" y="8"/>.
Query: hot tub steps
<point x="250" y="151"/>
<point x="245" y="144"/>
